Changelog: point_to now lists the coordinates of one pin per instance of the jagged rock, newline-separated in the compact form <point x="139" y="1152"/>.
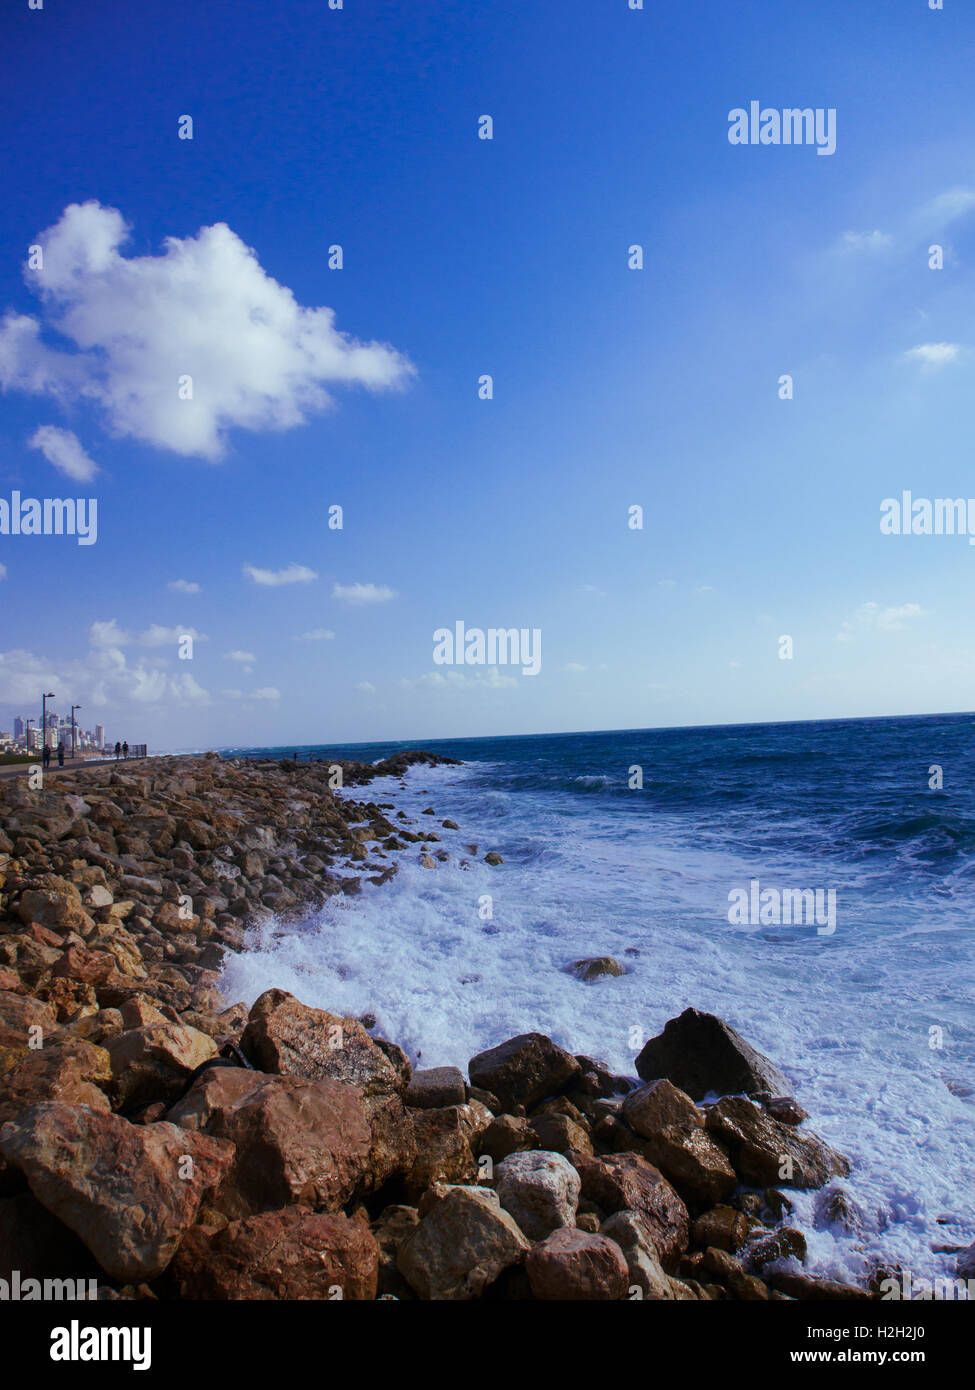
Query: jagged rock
<point x="289" y="1254"/>
<point x="156" y="1061"/>
<point x="393" y="1225"/>
<point x="540" y="1189"/>
<point x="627" y="1182"/>
<point x="690" y="1159"/>
<point x="765" y="1151"/>
<point x="523" y="1070"/>
<point x="560" y="1134"/>
<point x="784" y="1243"/>
<point x="56" y="904"/>
<point x="507" y="1134"/>
<point x="643" y="1263"/>
<point x="296" y="1141"/>
<point x="649" y="1109"/>
<point x="723" y="1227"/>
<point x="22" y="1020"/>
<point x="128" y="1191"/>
<point x="834" y="1207"/>
<point x="288" y="1038"/>
<point x="701" y="1054"/>
<point x="461" y="1246"/>
<point x="571" y="1264"/>
<point x="443" y="1149"/>
<point x="67" y="1070"/>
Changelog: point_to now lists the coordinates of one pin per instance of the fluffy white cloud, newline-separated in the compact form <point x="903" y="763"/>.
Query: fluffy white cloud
<point x="206" y="309"/>
<point x="363" y="593"/>
<point x="266" y="692"/>
<point x="103" y="679"/>
<point x="450" y="680"/>
<point x="245" y="658"/>
<point x="292" y="574"/>
<point x="875" y="617"/>
<point x="63" y="449"/>
<point x="866" y="241"/>
<point x="932" y="356"/>
<point x="159" y="636"/>
<point x="183" y="586"/>
<point x="317" y="634"/>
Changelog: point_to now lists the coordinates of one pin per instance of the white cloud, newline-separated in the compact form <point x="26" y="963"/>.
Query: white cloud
<point x="183" y="586"/>
<point x="102" y="680"/>
<point x="266" y="692"/>
<point x="108" y="634"/>
<point x="245" y="658"/>
<point x="159" y="636"/>
<point x="932" y="356"/>
<point x="874" y="617"/>
<point x="950" y="205"/>
<point x="204" y="308"/>
<point x="366" y="687"/>
<point x="317" y="634"/>
<point x="63" y="449"/>
<point x="866" y="241"/>
<point x="292" y="574"/>
<point x="363" y="593"/>
<point x="450" y="680"/>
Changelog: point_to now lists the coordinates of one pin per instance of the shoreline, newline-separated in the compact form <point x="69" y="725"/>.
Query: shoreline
<point x="121" y="896"/>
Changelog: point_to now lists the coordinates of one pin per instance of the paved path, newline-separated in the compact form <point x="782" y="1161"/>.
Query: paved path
<point x="79" y="765"/>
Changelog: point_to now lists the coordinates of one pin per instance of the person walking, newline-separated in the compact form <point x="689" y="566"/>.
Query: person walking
<point x="46" y="756"/>
<point x="60" y="755"/>
<point x="125" y="749"/>
<point x="118" y="750"/>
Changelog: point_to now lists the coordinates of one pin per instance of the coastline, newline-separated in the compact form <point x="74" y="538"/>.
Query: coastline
<point x="124" y="886"/>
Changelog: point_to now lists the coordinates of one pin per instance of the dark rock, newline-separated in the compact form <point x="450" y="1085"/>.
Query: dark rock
<point x="702" y="1054"/>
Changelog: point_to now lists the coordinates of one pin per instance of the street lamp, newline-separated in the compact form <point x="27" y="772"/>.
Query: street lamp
<point x="73" y="708"/>
<point x="44" y="699"/>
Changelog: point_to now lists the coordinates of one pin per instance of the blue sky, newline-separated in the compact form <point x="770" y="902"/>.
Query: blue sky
<point x="612" y="387"/>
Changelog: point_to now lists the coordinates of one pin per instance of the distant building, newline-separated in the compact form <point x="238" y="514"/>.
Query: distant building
<point x="99" y="735"/>
<point x="19" y="727"/>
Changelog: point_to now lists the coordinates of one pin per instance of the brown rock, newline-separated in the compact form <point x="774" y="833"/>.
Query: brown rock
<point x="129" y="1192"/>
<point x="785" y="1243"/>
<point x="649" y="1109"/>
<point x="66" y="1070"/>
<point x="693" y="1162"/>
<point x="55" y="904"/>
<point x="627" y="1182"/>
<point x="507" y="1134"/>
<point x="803" y="1286"/>
<point x="290" y="1254"/>
<point x="155" y="1062"/>
<point x="443" y="1150"/>
<point x="461" y="1246"/>
<point x="722" y="1227"/>
<point x="560" y="1134"/>
<point x="594" y="968"/>
<point x="766" y="1152"/>
<point x="523" y="1070"/>
<point x="572" y="1264"/>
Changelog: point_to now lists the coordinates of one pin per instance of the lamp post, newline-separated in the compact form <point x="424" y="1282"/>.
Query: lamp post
<point x="29" y="723"/>
<point x="73" y="708"/>
<point x="44" y="699"/>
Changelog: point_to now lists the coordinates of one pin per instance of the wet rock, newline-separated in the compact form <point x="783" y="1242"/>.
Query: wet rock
<point x="572" y="1264"/>
<point x="295" y="1140"/>
<point x="128" y="1192"/>
<point x="290" y="1254"/>
<point x="595" y="967"/>
<point x="561" y="1135"/>
<point x="766" y="1152"/>
<point x="627" y="1182"/>
<point x="804" y="1287"/>
<point x="493" y="858"/>
<point x="288" y="1038"/>
<point x="540" y="1190"/>
<point x="507" y="1134"/>
<point x="690" y="1159"/>
<point x="834" y="1207"/>
<point x="433" y="1087"/>
<point x="642" y="1261"/>
<point x="723" y="1227"/>
<point x="461" y="1246"/>
<point x="649" y="1109"/>
<point x="523" y="1070"/>
<point x="701" y="1054"/>
<point x="965" y="1268"/>
<point x="783" y="1244"/>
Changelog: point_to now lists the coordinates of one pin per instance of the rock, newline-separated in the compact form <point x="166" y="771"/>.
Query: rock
<point x="766" y="1152"/>
<point x="128" y="1191"/>
<point x="33" y="1242"/>
<point x="507" y="1134"/>
<point x="784" y="1109"/>
<point x="594" y="967"/>
<point x="10" y="983"/>
<point x="649" y="1109"/>
<point x="965" y="1268"/>
<point x="597" y="1081"/>
<point x="140" y="1011"/>
<point x="803" y="1286"/>
<point x="290" y="1039"/>
<point x="834" y="1207"/>
<point x="523" y="1070"/>
<point x="288" y="1254"/>
<point x="627" y="1182"/>
<point x="55" y="904"/>
<point x="571" y="1264"/>
<point x="783" y="1244"/>
<point x="450" y="825"/>
<point x="540" y="1189"/>
<point x="561" y="1135"/>
<point x="393" y="1225"/>
<point x="461" y="1246"/>
<point x="434" y="1087"/>
<point x="392" y="1148"/>
<point x="701" y="1054"/>
<point x="722" y="1227"/>
<point x="443" y="1149"/>
<point x="493" y="858"/>
<point x="690" y="1159"/>
<point x="642" y="1261"/>
<point x="296" y="1141"/>
<point x="23" y="1020"/>
<point x="156" y="1061"/>
<point x="67" y="1070"/>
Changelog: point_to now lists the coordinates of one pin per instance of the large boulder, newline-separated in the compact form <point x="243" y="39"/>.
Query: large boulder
<point x="627" y="1182"/>
<point x="524" y="1070"/>
<point x="571" y="1264"/>
<point x="642" y="1261"/>
<point x="443" y="1149"/>
<point x="67" y="1070"/>
<point x="463" y="1243"/>
<point x="55" y="904"/>
<point x="690" y="1159"/>
<point x="766" y="1152"/>
<point x="296" y="1141"/>
<point x="540" y="1190"/>
<point x="649" y="1109"/>
<point x="290" y="1254"/>
<point x="289" y="1038"/>
<point x="156" y="1061"/>
<point x="128" y="1191"/>
<point x="702" y="1054"/>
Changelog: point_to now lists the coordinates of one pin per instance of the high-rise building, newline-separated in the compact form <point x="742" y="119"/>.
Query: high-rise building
<point x="99" y="735"/>
<point x="19" y="727"/>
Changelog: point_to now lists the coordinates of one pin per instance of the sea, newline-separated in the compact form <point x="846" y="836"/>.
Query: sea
<point x="654" y="846"/>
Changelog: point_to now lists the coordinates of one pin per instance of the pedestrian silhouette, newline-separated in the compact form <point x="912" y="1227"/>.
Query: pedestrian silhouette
<point x="125" y="749"/>
<point x="60" y="755"/>
<point x="46" y="755"/>
<point x="118" y="750"/>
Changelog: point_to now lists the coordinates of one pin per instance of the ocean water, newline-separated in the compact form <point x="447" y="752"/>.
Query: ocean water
<point x="872" y="1020"/>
